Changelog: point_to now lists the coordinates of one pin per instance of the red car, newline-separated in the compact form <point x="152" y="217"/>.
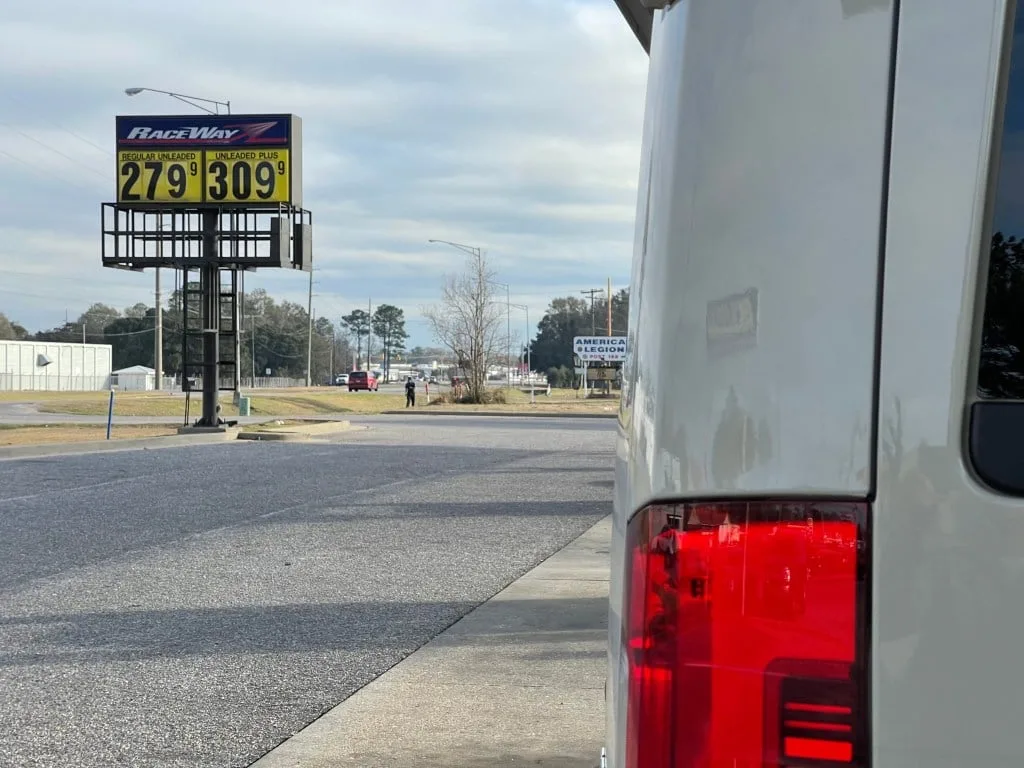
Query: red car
<point x="362" y="380"/>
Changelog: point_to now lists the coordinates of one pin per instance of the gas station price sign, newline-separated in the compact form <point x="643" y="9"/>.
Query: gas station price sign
<point x="247" y="175"/>
<point x="160" y="177"/>
<point x="216" y="160"/>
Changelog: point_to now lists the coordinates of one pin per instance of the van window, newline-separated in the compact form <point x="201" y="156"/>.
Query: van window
<point x="1001" y="364"/>
<point x="996" y="427"/>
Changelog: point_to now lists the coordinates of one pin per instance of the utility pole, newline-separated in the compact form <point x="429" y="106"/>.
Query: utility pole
<point x="607" y="383"/>
<point x="508" y="335"/>
<point x="609" y="306"/>
<point x="593" y="319"/>
<point x="369" y="333"/>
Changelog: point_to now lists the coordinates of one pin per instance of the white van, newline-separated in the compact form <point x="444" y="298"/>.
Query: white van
<point x="818" y="554"/>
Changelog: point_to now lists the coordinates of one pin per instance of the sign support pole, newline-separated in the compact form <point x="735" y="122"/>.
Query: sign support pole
<point x="210" y="279"/>
<point x="158" y="341"/>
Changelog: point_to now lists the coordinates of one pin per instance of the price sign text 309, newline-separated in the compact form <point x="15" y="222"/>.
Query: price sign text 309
<point x="248" y="176"/>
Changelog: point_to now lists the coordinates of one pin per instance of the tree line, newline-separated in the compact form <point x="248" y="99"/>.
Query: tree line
<point x="469" y="323"/>
<point x="274" y="336"/>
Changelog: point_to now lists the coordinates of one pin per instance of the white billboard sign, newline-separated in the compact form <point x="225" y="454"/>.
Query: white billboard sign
<point x="610" y="349"/>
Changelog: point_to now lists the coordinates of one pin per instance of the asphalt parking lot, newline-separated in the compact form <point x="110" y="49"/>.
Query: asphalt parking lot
<point x="197" y="606"/>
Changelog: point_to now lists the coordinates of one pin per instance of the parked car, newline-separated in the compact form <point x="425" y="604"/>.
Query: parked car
<point x="358" y="380"/>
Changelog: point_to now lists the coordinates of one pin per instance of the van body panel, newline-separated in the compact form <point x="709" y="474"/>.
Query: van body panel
<point x="754" y="347"/>
<point x="947" y="568"/>
<point x="754" y="294"/>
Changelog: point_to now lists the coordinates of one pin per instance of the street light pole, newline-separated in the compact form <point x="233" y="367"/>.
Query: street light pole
<point x="508" y="334"/>
<point x="529" y="361"/>
<point x="190" y="100"/>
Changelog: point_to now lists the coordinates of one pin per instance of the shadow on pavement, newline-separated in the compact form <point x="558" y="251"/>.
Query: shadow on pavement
<point x="59" y="514"/>
<point x="141" y="634"/>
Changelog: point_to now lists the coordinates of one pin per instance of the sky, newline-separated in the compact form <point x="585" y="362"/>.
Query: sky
<point x="511" y="126"/>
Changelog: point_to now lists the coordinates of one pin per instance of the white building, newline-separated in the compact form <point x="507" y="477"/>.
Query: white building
<point x="135" y="378"/>
<point x="54" y="366"/>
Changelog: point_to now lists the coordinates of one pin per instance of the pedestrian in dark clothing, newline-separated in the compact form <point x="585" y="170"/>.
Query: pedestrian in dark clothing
<point x="410" y="392"/>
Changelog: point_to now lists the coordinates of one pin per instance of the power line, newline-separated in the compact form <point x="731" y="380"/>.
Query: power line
<point x="43" y="172"/>
<point x="104" y="150"/>
<point x="43" y="144"/>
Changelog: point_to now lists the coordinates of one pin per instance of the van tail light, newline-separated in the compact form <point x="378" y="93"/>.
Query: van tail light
<point x="746" y="634"/>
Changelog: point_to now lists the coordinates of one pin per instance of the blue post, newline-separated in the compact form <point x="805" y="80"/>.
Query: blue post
<point x="110" y="412"/>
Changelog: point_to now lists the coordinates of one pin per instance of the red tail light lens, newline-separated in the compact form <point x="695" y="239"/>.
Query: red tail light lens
<point x="744" y="635"/>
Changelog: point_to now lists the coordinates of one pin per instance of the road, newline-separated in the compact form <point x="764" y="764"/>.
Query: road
<point x="194" y="607"/>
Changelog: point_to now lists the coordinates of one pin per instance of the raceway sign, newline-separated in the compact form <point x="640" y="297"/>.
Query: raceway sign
<point x="203" y="130"/>
<point x="610" y="349"/>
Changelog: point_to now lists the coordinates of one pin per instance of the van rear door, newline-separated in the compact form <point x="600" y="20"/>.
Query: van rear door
<point x="738" y="634"/>
<point x="948" y="531"/>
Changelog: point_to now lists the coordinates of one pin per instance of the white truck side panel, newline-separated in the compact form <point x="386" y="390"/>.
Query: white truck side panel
<point x="948" y="581"/>
<point x="767" y="130"/>
<point x="768" y="177"/>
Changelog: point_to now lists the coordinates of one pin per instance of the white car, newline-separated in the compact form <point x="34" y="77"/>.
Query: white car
<point x="818" y="549"/>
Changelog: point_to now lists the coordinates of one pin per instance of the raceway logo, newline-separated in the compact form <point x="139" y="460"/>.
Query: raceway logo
<point x="244" y="133"/>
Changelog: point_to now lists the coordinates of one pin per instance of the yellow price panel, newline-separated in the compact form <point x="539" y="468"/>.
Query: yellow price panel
<point x="248" y="176"/>
<point x="159" y="177"/>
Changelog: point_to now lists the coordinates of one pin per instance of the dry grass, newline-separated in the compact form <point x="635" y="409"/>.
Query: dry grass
<point x="314" y="401"/>
<point x="35" y="434"/>
<point x="583" y="406"/>
<point x="517" y="401"/>
<point x="125" y="404"/>
<point x="299" y="402"/>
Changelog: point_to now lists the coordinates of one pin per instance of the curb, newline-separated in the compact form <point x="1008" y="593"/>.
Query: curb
<point x="518" y="414"/>
<point x="517" y="681"/>
<point x="298" y="433"/>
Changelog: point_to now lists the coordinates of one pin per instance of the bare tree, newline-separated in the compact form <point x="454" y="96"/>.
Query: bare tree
<point x="470" y="323"/>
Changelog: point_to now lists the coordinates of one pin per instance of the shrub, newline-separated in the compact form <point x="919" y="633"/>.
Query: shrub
<point x="560" y="377"/>
<point x="490" y="396"/>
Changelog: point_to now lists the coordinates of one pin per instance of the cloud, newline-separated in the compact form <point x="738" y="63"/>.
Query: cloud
<point x="512" y="126"/>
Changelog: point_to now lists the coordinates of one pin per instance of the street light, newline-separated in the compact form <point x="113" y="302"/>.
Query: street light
<point x="190" y="100"/>
<point x="158" y="340"/>
<point x="529" y="361"/>
<point x="473" y="250"/>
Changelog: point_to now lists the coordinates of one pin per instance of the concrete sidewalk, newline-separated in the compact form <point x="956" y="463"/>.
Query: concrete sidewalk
<point x="519" y="681"/>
